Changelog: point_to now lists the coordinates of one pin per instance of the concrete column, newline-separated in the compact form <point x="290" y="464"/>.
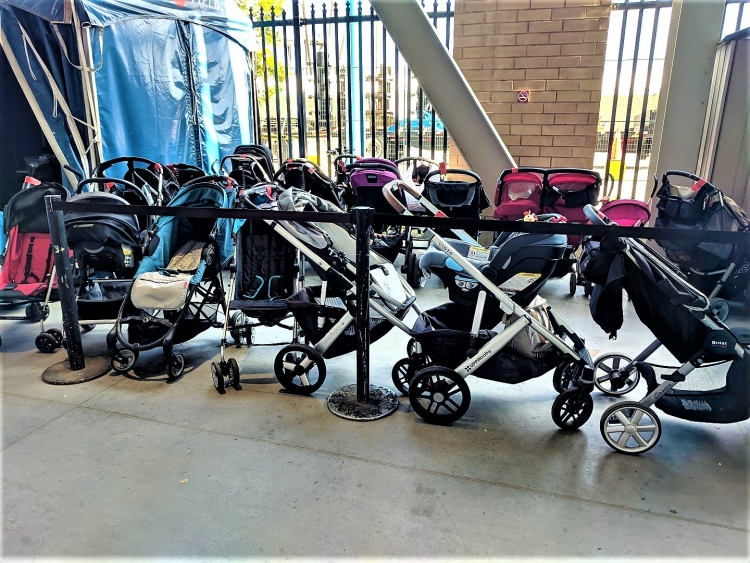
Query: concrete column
<point x="694" y="33"/>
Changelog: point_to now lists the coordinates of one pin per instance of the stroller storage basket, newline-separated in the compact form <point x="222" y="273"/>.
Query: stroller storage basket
<point x="718" y="393"/>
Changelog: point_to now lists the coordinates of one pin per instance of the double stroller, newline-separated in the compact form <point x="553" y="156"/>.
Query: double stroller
<point x="178" y="288"/>
<point x="563" y="191"/>
<point x="486" y="333"/>
<point x="266" y="274"/>
<point x="721" y="271"/>
<point x="711" y="385"/>
<point x="28" y="274"/>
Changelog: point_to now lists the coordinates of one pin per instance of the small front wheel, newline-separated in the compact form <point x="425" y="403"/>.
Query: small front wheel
<point x="402" y="373"/>
<point x="300" y="369"/>
<point x="572" y="408"/>
<point x="45" y="343"/>
<point x="611" y="376"/>
<point x="439" y="395"/>
<point x="414" y="275"/>
<point x="234" y="374"/>
<point x="123" y="360"/>
<point x="57" y="335"/>
<point x="176" y="366"/>
<point x="217" y="376"/>
<point x="573" y="284"/>
<point x="564" y="376"/>
<point x="630" y="428"/>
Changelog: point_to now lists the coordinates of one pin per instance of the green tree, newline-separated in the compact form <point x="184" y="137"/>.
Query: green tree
<point x="264" y="62"/>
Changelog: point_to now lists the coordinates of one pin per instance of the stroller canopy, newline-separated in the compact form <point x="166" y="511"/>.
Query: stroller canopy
<point x="172" y="232"/>
<point x="27" y="209"/>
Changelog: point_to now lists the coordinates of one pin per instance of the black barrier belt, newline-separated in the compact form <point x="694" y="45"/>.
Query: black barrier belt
<point x="683" y="235"/>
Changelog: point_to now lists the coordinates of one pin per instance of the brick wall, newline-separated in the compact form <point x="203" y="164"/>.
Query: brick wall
<point x="554" y="49"/>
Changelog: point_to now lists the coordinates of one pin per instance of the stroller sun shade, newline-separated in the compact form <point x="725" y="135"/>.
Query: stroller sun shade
<point x="517" y="193"/>
<point x="90" y="226"/>
<point x="27" y="208"/>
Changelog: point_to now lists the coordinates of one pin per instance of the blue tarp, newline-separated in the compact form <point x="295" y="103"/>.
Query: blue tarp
<point x="172" y="76"/>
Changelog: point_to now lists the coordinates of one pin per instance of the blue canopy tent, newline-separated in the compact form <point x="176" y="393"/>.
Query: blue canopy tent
<point x="168" y="80"/>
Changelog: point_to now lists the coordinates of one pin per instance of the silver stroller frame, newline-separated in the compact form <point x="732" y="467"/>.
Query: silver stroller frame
<point x="570" y="410"/>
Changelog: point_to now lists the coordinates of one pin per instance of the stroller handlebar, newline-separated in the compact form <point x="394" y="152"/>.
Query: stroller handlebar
<point x="459" y="171"/>
<point x="699" y="182"/>
<point x="105" y="181"/>
<point x="596" y="217"/>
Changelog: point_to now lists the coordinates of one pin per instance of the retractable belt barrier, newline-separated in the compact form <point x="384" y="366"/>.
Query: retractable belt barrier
<point x="363" y="219"/>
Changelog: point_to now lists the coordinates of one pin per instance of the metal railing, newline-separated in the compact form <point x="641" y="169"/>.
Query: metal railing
<point x="331" y="81"/>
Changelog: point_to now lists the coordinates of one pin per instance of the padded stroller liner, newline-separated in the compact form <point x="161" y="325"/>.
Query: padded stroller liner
<point x="188" y="257"/>
<point x="168" y="289"/>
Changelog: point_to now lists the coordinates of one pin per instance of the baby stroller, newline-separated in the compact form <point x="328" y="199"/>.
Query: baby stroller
<point x="563" y="191"/>
<point x="721" y="271"/>
<point x="307" y="176"/>
<point x="251" y="165"/>
<point x="28" y="274"/>
<point x="107" y="251"/>
<point x="324" y="312"/>
<point x="499" y="340"/>
<point x="184" y="173"/>
<point x="178" y="288"/>
<point x="712" y="384"/>
<point x="157" y="183"/>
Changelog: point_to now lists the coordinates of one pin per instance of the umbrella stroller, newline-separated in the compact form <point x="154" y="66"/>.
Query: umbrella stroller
<point x="495" y="339"/>
<point x="712" y="384"/>
<point x="178" y="289"/>
<point x="107" y="251"/>
<point x="157" y="183"/>
<point x="307" y="176"/>
<point x="324" y="312"/>
<point x="721" y="271"/>
<point x="28" y="274"/>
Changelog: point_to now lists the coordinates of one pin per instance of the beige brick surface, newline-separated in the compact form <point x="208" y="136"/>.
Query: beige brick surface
<point x="553" y="48"/>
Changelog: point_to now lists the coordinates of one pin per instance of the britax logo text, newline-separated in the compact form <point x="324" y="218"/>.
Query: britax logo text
<point x="478" y="359"/>
<point x="719" y="343"/>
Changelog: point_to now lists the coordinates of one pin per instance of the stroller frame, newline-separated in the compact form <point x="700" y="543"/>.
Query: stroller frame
<point x="570" y="410"/>
<point x="631" y="425"/>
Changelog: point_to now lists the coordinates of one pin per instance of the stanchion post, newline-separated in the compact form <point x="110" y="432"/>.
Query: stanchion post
<point x="65" y="285"/>
<point x="363" y="218"/>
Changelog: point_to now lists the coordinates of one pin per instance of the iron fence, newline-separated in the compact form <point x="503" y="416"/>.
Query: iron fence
<point x="331" y="81"/>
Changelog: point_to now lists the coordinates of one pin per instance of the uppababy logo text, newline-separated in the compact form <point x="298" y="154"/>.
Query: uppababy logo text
<point x="477" y="360"/>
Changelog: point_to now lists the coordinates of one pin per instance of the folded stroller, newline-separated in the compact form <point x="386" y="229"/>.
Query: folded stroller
<point x="495" y="339"/>
<point x="712" y="384"/>
<point x="307" y="176"/>
<point x="178" y="288"/>
<point x="324" y="313"/>
<point x="107" y="251"/>
<point x="721" y="271"/>
<point x="158" y="183"/>
<point x="563" y="191"/>
<point x="27" y="276"/>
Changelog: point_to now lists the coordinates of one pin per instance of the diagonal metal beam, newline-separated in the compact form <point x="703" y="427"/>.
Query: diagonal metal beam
<point x="446" y="87"/>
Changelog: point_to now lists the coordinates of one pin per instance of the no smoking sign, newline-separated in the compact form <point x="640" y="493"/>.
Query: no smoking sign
<point x="523" y="96"/>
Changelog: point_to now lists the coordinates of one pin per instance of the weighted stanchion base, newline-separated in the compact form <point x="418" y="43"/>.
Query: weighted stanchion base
<point x="61" y="374"/>
<point x="343" y="403"/>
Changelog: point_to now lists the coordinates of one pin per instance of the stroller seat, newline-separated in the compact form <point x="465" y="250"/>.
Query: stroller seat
<point x="167" y="289"/>
<point x="519" y="265"/>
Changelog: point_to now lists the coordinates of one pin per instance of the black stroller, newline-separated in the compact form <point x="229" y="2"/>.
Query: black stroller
<point x="712" y="384"/>
<point x="107" y="251"/>
<point x="250" y="165"/>
<point x="307" y="176"/>
<point x="156" y="182"/>
<point x="721" y="271"/>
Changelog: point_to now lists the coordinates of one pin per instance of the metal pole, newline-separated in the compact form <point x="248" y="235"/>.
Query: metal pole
<point x="65" y="284"/>
<point x="301" y="110"/>
<point x="363" y="218"/>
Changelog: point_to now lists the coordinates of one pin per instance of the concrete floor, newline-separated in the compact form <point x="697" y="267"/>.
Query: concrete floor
<point x="134" y="466"/>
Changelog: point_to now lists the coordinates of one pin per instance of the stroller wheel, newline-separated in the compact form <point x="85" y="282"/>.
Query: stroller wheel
<point x="300" y="369"/>
<point x="234" y="374"/>
<point x="572" y="409"/>
<point x="610" y="378"/>
<point x="630" y="428"/>
<point x="57" y="335"/>
<point x="573" y="284"/>
<point x="123" y="360"/>
<point x="176" y="366"/>
<point x="439" y="395"/>
<point x="562" y="379"/>
<point x="414" y="274"/>
<point x="402" y="373"/>
<point x="720" y="309"/>
<point x="45" y="343"/>
<point x="217" y="377"/>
